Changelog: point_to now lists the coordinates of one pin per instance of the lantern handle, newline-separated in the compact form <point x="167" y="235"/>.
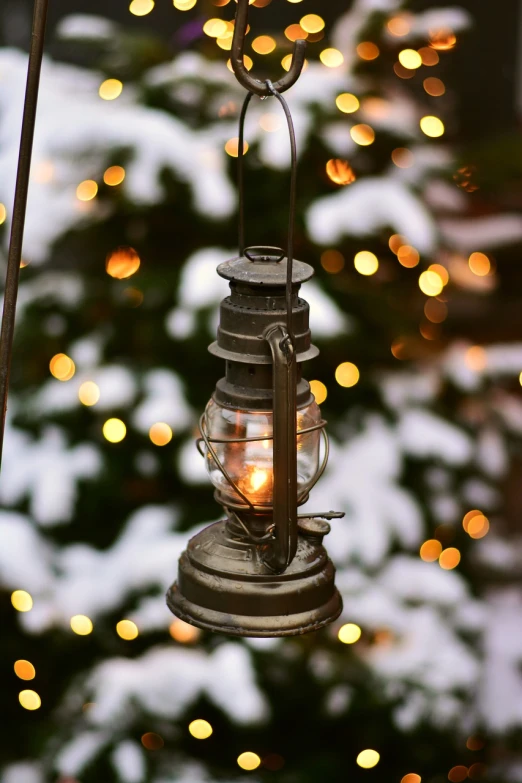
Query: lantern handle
<point x="238" y="66"/>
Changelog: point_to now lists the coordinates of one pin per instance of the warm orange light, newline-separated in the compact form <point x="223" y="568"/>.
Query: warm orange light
<point x="408" y="256"/>
<point x="458" y="774"/>
<point x="430" y="283"/>
<point x="434" y="87"/>
<point x="312" y="23"/>
<point x="122" y="263"/>
<point x="3" y="213"/>
<point x="435" y="311"/>
<point x="232" y="147"/>
<point x="362" y="134"/>
<point x="449" y="558"/>
<point x="295" y="32"/>
<point x="62" y="367"/>
<point x="479" y="264"/>
<point x="442" y="39"/>
<point x="478" y="526"/>
<point x="215" y="28"/>
<point x="24" y="670"/>
<point x="430" y="550"/>
<point x="114" y="175"/>
<point x="258" y="478"/>
<point x="402" y="72"/>
<point x="141" y="7"/>
<point x="469" y="516"/>
<point x="183" y="632"/>
<point x="332" y="261"/>
<point x="247" y="61"/>
<point x="286" y="62"/>
<point x="347" y="103"/>
<point x="86" y="190"/>
<point x="395" y="242"/>
<point x="152" y="741"/>
<point x="410" y="59"/>
<point x="399" y="25"/>
<point x="411" y="777"/>
<point x="347" y="374"/>
<point x="332" y="58"/>
<point x="441" y="271"/>
<point x="429" y="56"/>
<point x="476" y="358"/>
<point x="402" y="157"/>
<point x="270" y="122"/>
<point x="367" y="50"/>
<point x="263" y="44"/>
<point x="110" y="89"/>
<point x="319" y="391"/>
<point x="160" y="433"/>
<point x="340" y="171"/>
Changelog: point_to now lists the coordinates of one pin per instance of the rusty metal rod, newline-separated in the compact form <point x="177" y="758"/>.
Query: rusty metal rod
<point x="20" y="204"/>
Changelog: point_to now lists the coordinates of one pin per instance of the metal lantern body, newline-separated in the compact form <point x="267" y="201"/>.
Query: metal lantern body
<point x="262" y="571"/>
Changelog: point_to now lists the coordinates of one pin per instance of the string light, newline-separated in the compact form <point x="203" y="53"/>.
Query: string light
<point x="347" y="374"/>
<point x="441" y="271"/>
<point x="410" y="59"/>
<point x="362" y="134"/>
<point x="24" y="670"/>
<point x="114" y="430"/>
<point x="340" y="171"/>
<point x="395" y="242"/>
<point x="432" y="126"/>
<point x="429" y="56"/>
<point x="110" y="89"/>
<point x="458" y="774"/>
<point x="62" y="367"/>
<point x="200" y="729"/>
<point x="430" y="283"/>
<point x="366" y="263"/>
<point x="127" y="630"/>
<point x="408" y="256"/>
<point x="249" y="760"/>
<point x="349" y="633"/>
<point x="319" y="391"/>
<point x="411" y="778"/>
<point x="114" y="175"/>
<point x="215" y="28"/>
<point x="430" y="550"/>
<point x="29" y="700"/>
<point x="312" y="23"/>
<point x="479" y="264"/>
<point x="22" y="601"/>
<point x="347" y="103"/>
<point x="263" y="44"/>
<point x="434" y="86"/>
<point x="152" y="741"/>
<point x="89" y="393"/>
<point x="232" y="147"/>
<point x="332" y="58"/>
<point x="295" y="32"/>
<point x="86" y="190"/>
<point x="141" y="7"/>
<point x="367" y="759"/>
<point x="122" y="263"/>
<point x="81" y="624"/>
<point x="367" y="50"/>
<point x="183" y="632"/>
<point x="160" y="433"/>
<point x="449" y="558"/>
<point x="332" y="261"/>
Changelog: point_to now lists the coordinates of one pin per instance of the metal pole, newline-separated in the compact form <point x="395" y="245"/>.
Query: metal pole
<point x="20" y="204"/>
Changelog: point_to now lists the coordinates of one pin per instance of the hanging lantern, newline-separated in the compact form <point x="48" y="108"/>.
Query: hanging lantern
<point x="263" y="570"/>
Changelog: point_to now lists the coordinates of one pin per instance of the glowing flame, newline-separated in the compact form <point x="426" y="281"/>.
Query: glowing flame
<point x="258" y="478"/>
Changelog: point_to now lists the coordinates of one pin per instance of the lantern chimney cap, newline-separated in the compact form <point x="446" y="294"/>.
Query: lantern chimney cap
<point x="264" y="266"/>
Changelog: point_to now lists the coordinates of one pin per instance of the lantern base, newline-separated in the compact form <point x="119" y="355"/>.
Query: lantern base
<point x="224" y="585"/>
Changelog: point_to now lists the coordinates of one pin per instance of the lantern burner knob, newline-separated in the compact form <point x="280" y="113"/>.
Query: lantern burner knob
<point x="265" y="254"/>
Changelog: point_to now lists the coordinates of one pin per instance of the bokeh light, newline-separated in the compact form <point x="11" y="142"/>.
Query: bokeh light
<point x="184" y="5"/>
<point x="430" y="283"/>
<point x="449" y="558"/>
<point x="114" y="430"/>
<point x="247" y="62"/>
<point x="200" y="729"/>
<point x="402" y="157"/>
<point x="152" y="741"/>
<point x="367" y="50"/>
<point x="81" y="624"/>
<point x="347" y="374"/>
<point x="479" y="264"/>
<point x="160" y="433"/>
<point x="295" y="32"/>
<point x="122" y="263"/>
<point x="141" y="7"/>
<point x="110" y="89"/>
<point x="29" y="700"/>
<point x="24" y="670"/>
<point x="434" y="86"/>
<point x="430" y="550"/>
<point x="3" y="213"/>
<point x="429" y="56"/>
<point x="86" y="190"/>
<point x="349" y="633"/>
<point x="395" y="242"/>
<point x="114" y="175"/>
<point x="442" y="39"/>
<point x="332" y="261"/>
<point x="232" y="147"/>
<point x="410" y="59"/>
<point x="331" y="57"/>
<point x="441" y="271"/>
<point x="312" y="23"/>
<point x="22" y="601"/>
<point x="249" y="760"/>
<point x="399" y="25"/>
<point x="432" y="126"/>
<point x="408" y="256"/>
<point x="183" y="632"/>
<point x="270" y="122"/>
<point x="458" y="774"/>
<point x="215" y="28"/>
<point x="127" y="630"/>
<point x="411" y="777"/>
<point x="286" y="62"/>
<point x="366" y="263"/>
<point x="347" y="103"/>
<point x="319" y="391"/>
<point x="476" y="358"/>
<point x="340" y="171"/>
<point x="89" y="393"/>
<point x="435" y="311"/>
<point x="263" y="44"/>
<point x="478" y="526"/>
<point x="367" y="759"/>
<point x="362" y="134"/>
<point x="62" y="367"/>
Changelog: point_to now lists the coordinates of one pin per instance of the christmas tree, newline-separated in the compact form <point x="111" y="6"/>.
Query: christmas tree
<point x="132" y="206"/>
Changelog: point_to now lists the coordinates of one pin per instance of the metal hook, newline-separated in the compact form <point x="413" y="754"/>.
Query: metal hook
<point x="238" y="66"/>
